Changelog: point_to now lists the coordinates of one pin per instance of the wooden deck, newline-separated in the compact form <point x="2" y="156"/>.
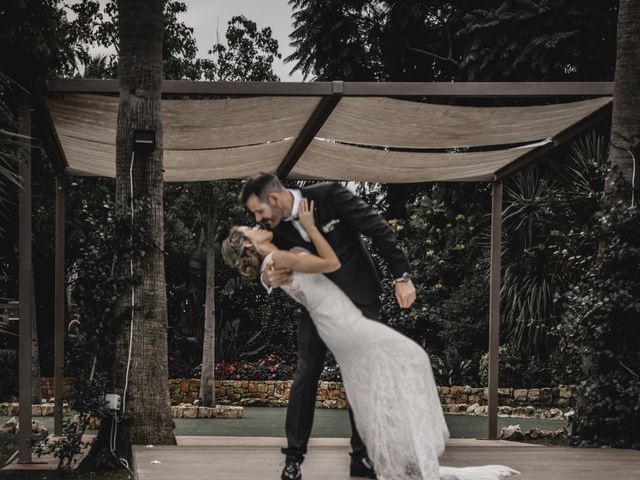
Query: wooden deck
<point x="250" y="458"/>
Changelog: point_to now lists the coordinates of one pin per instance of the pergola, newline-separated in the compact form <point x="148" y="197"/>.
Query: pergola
<point x="373" y="132"/>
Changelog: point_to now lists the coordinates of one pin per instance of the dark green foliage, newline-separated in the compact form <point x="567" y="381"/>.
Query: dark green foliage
<point x="67" y="449"/>
<point x="601" y="328"/>
<point x="99" y="23"/>
<point x="533" y="220"/>
<point x="539" y="40"/>
<point x="10" y="148"/>
<point x="38" y="41"/>
<point x="517" y="40"/>
<point x="450" y="271"/>
<point x="359" y="40"/>
<point x="249" y="323"/>
<point x="98" y="239"/>
<point x="518" y="369"/>
<point x="548" y="211"/>
<point x="8" y="373"/>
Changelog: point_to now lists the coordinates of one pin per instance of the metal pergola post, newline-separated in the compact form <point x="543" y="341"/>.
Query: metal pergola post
<point x="59" y="305"/>
<point x="25" y="282"/>
<point x="494" y="306"/>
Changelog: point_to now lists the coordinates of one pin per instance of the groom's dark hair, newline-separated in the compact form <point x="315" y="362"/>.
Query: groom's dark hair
<point x="261" y="186"/>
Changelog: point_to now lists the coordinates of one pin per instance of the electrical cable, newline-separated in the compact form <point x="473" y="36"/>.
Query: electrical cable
<point x="133" y="295"/>
<point x="114" y="423"/>
<point x="633" y="178"/>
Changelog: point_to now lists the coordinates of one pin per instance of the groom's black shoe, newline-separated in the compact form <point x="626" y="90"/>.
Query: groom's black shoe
<point x="361" y="466"/>
<point x="291" y="470"/>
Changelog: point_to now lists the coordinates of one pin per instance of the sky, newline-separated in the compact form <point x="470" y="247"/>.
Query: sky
<point x="208" y="17"/>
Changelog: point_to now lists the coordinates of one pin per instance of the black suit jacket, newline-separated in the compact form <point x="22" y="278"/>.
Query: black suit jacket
<point x="358" y="276"/>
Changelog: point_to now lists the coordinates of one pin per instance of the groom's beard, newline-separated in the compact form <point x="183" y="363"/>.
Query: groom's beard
<point x="277" y="214"/>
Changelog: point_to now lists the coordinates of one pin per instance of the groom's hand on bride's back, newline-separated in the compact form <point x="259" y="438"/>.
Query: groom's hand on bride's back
<point x="276" y="277"/>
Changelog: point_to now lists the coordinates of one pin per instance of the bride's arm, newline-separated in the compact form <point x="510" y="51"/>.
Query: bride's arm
<point x="325" y="262"/>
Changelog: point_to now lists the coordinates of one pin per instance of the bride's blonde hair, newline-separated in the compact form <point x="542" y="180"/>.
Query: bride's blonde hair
<point x="237" y="255"/>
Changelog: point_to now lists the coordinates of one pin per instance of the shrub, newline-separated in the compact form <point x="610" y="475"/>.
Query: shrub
<point x="517" y="369"/>
<point x="601" y="328"/>
<point x="270" y="367"/>
<point x="8" y="373"/>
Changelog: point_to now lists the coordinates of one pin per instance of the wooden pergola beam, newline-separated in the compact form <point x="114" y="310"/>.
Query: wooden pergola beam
<point x="49" y="136"/>
<point x="315" y="122"/>
<point x="361" y="89"/>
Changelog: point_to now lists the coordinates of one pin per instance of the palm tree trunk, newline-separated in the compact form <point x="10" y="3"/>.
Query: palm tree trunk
<point x="625" y="127"/>
<point x="207" y="386"/>
<point x="140" y="72"/>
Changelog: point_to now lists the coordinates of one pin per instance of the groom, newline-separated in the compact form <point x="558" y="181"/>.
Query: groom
<point x="342" y="217"/>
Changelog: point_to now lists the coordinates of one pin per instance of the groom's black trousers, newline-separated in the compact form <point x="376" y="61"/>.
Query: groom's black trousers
<point x="302" y="397"/>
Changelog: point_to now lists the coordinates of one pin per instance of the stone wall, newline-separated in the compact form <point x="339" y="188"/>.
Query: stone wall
<point x="331" y="394"/>
<point x="556" y="397"/>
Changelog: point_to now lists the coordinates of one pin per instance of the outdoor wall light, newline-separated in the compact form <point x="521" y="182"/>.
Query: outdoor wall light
<point x="144" y="140"/>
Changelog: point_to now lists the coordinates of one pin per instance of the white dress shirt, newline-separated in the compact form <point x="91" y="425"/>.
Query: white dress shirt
<point x="297" y="199"/>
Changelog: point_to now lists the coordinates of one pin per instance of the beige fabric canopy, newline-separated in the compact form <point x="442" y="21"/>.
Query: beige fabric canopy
<point x="364" y="138"/>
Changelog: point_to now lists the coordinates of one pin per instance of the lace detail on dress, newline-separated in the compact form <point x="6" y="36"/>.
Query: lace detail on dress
<point x="296" y="292"/>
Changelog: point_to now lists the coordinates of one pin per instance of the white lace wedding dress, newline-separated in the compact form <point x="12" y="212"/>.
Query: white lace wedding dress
<point x="389" y="384"/>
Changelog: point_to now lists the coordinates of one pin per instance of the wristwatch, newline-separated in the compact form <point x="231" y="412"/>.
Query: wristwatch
<point x="405" y="278"/>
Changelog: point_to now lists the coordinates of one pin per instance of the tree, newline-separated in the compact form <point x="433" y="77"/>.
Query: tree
<point x="142" y="380"/>
<point x="621" y="184"/>
<point x="443" y="40"/>
<point x="38" y="41"/>
<point x="538" y="40"/>
<point x="207" y="385"/>
<point x="99" y="23"/>
<point x="248" y="55"/>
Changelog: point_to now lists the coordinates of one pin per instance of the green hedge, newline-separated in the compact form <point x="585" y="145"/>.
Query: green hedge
<point x="602" y="329"/>
<point x="8" y="373"/>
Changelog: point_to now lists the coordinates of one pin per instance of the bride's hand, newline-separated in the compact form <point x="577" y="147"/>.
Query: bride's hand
<point x="305" y="215"/>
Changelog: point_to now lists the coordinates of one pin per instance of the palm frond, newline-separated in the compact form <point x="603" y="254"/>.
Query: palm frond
<point x="11" y="142"/>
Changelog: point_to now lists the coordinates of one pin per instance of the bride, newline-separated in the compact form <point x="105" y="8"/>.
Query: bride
<point x="387" y="376"/>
